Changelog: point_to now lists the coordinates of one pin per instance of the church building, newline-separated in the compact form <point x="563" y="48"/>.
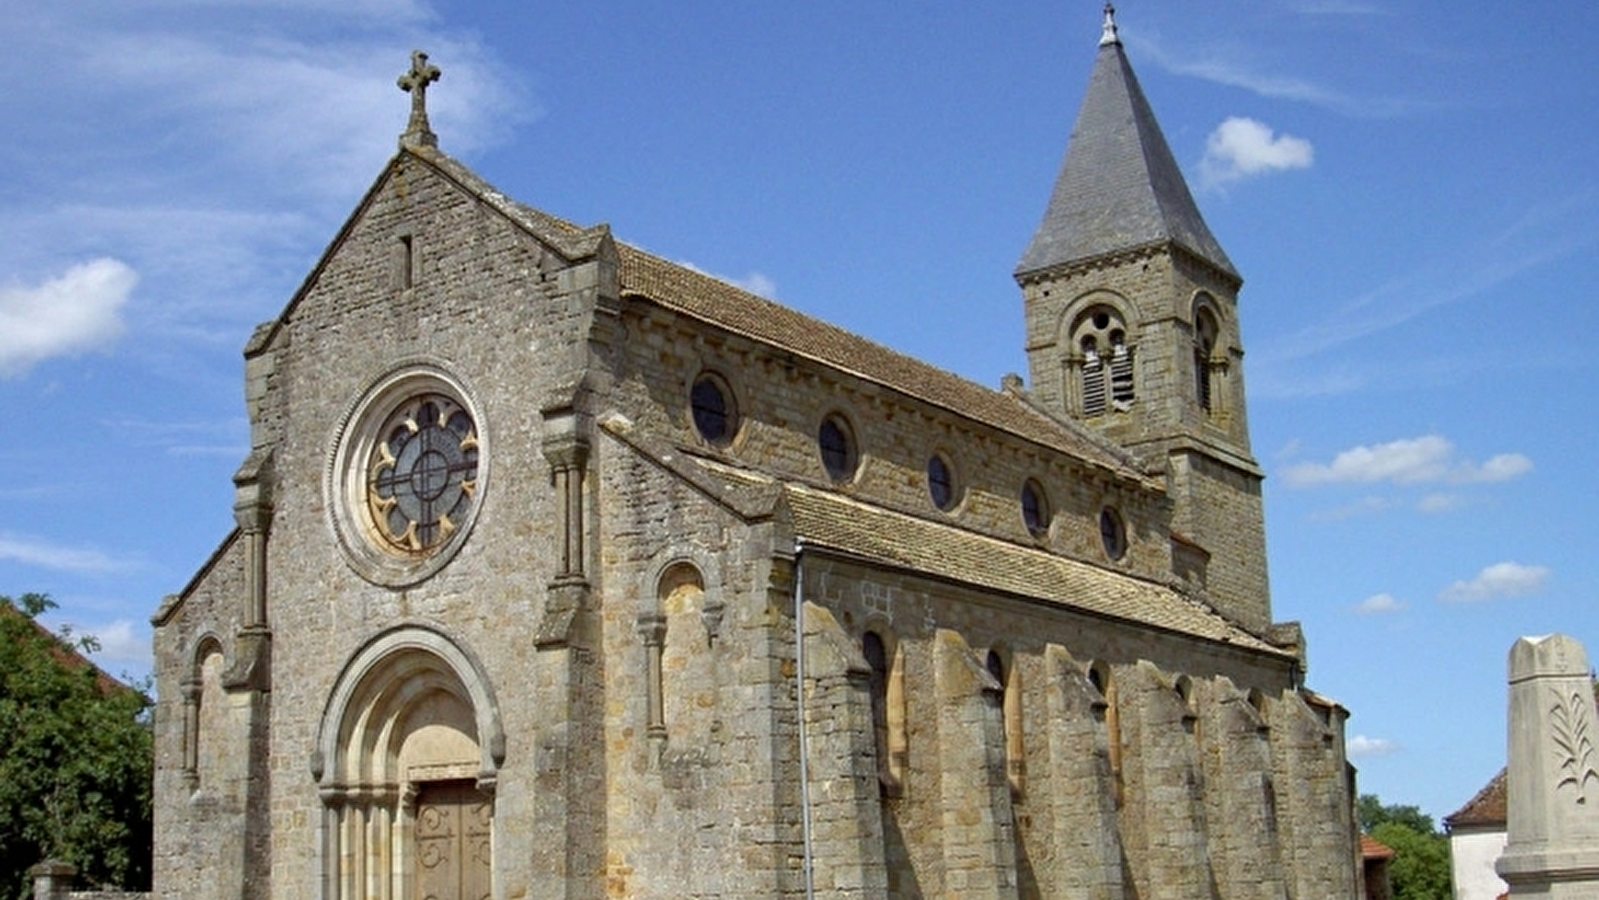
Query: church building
<point x="562" y="570"/>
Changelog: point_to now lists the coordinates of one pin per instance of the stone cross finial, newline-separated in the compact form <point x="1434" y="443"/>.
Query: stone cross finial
<point x="415" y="83"/>
<point x="1108" y="36"/>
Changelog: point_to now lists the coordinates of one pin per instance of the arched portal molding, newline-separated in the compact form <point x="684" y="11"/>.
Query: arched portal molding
<point x="390" y="668"/>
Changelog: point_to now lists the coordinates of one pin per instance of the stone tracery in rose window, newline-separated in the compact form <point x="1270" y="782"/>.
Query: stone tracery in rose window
<point x="422" y="475"/>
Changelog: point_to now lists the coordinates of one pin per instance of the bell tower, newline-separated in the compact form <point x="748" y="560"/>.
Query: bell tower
<point x="1132" y="329"/>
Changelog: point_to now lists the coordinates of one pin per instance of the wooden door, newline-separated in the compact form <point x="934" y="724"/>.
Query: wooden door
<point x="453" y="855"/>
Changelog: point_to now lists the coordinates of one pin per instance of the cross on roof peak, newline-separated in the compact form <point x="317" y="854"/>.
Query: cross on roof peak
<point x="415" y="82"/>
<point x="1108" y="36"/>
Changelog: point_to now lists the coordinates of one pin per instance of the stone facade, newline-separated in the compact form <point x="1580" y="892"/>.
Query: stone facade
<point x="534" y="524"/>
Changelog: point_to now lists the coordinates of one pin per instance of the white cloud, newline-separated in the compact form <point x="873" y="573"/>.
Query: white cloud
<point x="1241" y="147"/>
<point x="318" y="114"/>
<point x="1438" y="503"/>
<point x="79" y="310"/>
<point x="1506" y="579"/>
<point x="1545" y="233"/>
<point x="62" y="559"/>
<point x="1360" y="745"/>
<point x="1378" y="604"/>
<point x="1226" y="66"/>
<point x="121" y="642"/>
<point x="1408" y="461"/>
<point x="755" y="282"/>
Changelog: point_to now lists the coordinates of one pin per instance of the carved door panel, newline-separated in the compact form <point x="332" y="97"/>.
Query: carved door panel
<point x="453" y="857"/>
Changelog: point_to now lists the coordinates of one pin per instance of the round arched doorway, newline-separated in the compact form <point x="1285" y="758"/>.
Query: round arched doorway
<point x="406" y="759"/>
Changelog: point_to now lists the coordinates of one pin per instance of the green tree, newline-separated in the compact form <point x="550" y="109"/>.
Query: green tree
<point x="1420" y="867"/>
<point x="75" y="759"/>
<point x="1371" y="812"/>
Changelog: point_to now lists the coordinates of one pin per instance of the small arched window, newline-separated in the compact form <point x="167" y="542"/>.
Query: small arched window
<point x="888" y="720"/>
<point x="1106" y="361"/>
<point x="711" y="404"/>
<point x="1010" y="699"/>
<point x="1206" y="333"/>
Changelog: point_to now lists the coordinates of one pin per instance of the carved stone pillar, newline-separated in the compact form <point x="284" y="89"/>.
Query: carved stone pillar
<point x="652" y="628"/>
<point x="566" y="450"/>
<point x="252" y="510"/>
<point x="1554" y="786"/>
<point x="191" y="732"/>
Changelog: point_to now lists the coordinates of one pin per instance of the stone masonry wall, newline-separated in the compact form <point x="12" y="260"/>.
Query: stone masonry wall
<point x="1215" y="484"/>
<point x="782" y="401"/>
<point x="1149" y="788"/>
<point x="199" y="815"/>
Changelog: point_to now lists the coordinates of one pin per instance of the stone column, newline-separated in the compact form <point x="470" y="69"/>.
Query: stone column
<point x="1554" y="786"/>
<point x="52" y="879"/>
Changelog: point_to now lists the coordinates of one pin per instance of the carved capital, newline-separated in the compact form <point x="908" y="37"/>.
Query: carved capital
<point x="566" y="451"/>
<point x="651" y="627"/>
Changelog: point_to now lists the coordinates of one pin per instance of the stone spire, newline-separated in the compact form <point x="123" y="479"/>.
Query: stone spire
<point x="1119" y="187"/>
<point x="415" y="82"/>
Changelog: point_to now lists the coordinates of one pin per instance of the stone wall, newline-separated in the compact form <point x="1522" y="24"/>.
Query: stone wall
<point x="610" y="657"/>
<point x="782" y="400"/>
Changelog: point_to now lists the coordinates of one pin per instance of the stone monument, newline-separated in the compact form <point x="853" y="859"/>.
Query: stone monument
<point x="1554" y="798"/>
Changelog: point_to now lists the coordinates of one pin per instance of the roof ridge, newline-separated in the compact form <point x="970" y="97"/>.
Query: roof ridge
<point x="697" y="294"/>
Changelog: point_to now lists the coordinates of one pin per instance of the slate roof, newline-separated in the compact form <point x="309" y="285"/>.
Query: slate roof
<point x="1119" y="187"/>
<point x="1488" y="809"/>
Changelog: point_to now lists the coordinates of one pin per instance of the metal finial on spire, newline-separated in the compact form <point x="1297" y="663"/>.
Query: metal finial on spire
<point x="1108" y="36"/>
<point x="415" y="83"/>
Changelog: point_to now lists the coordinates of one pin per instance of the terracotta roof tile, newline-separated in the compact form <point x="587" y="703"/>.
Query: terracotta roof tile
<point x="1371" y="848"/>
<point x="1487" y="808"/>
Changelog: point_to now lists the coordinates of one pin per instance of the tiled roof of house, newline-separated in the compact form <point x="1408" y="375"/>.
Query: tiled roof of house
<point x="831" y="520"/>
<point x="1119" y="187"/>
<point x="1373" y="849"/>
<point x="1487" y="809"/>
<point x="68" y="654"/>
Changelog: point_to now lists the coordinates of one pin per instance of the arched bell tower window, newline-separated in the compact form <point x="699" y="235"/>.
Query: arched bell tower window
<point x="1206" y="337"/>
<point x="1105" y="361"/>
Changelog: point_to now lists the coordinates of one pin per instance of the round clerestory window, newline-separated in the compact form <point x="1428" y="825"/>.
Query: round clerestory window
<point x="941" y="485"/>
<point x="835" y="440"/>
<point x="714" y="412"/>
<point x="1112" y="533"/>
<point x="1035" y="508"/>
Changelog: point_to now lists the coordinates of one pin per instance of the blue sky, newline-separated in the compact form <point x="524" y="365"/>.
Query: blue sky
<point x="1409" y="190"/>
